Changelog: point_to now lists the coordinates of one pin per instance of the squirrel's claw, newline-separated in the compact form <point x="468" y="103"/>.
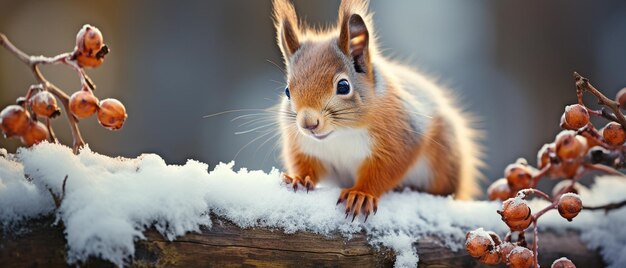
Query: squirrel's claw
<point x="358" y="202"/>
<point x="307" y="182"/>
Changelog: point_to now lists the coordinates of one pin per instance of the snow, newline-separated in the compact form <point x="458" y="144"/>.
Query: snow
<point x="110" y="202"/>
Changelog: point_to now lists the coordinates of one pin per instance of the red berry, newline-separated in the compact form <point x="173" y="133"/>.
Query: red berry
<point x="14" y="120"/>
<point x="563" y="263"/>
<point x="516" y="213"/>
<point x="520" y="257"/>
<point x="569" y="206"/>
<point x="83" y="104"/>
<point x="570" y="146"/>
<point x="45" y="104"/>
<point x="614" y="133"/>
<point x="36" y="133"/>
<point x="576" y="116"/>
<point x="112" y="114"/>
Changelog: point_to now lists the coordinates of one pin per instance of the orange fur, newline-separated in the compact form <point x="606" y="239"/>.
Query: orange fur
<point x="395" y="123"/>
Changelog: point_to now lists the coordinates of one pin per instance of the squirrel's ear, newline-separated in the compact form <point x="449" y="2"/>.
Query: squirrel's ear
<point x="353" y="34"/>
<point x="286" y="23"/>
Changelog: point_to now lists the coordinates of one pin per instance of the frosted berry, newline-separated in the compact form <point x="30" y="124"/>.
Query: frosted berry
<point x="89" y="40"/>
<point x="504" y="249"/>
<point x="569" y="206"/>
<point x="520" y="257"/>
<point x="621" y="97"/>
<point x="36" y="133"/>
<point x="563" y="263"/>
<point x="576" y="116"/>
<point x="570" y="146"/>
<point x="564" y="125"/>
<point x="14" y="120"/>
<point x="83" y="104"/>
<point x="491" y="257"/>
<point x="543" y="156"/>
<point x="516" y="214"/>
<point x="499" y="190"/>
<point x="519" y="176"/>
<point x="478" y="243"/>
<point x="112" y="114"/>
<point x="614" y="134"/>
<point x="45" y="104"/>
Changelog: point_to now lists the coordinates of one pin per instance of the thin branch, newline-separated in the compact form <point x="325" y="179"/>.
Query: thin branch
<point x="607" y="207"/>
<point x="33" y="64"/>
<point x="582" y="84"/>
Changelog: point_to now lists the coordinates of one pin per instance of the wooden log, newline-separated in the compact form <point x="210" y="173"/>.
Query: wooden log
<point x="226" y="245"/>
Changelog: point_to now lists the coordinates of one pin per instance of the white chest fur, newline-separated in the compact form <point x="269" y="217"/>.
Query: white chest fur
<point x="342" y="153"/>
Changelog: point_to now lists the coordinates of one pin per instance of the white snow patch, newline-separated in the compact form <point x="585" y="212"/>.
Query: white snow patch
<point x="109" y="202"/>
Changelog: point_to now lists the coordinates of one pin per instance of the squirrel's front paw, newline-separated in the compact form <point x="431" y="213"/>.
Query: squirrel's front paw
<point x="358" y="202"/>
<point x="307" y="182"/>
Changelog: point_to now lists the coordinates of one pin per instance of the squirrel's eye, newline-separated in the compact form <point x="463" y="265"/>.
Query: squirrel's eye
<point x="287" y="93"/>
<point x="343" y="87"/>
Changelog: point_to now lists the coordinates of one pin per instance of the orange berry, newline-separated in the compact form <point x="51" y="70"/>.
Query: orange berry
<point x="564" y="125"/>
<point x="83" y="104"/>
<point x="112" y="114"/>
<point x="36" y="133"/>
<point x="621" y="97"/>
<point x="519" y="176"/>
<point x="89" y="40"/>
<point x="491" y="257"/>
<point x="563" y="263"/>
<point x="478" y="242"/>
<point x="520" y="257"/>
<point x="504" y="249"/>
<point x="499" y="190"/>
<point x="614" y="133"/>
<point x="570" y="146"/>
<point x="569" y="206"/>
<point x="570" y="169"/>
<point x="543" y="156"/>
<point x="45" y="104"/>
<point x="14" y="120"/>
<point x="576" y="116"/>
<point x="88" y="61"/>
<point x="516" y="213"/>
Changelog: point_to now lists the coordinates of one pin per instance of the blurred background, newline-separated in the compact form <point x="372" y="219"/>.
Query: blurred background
<point x="172" y="62"/>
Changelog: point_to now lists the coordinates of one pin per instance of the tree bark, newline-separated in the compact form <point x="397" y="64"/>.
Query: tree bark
<point x="42" y="244"/>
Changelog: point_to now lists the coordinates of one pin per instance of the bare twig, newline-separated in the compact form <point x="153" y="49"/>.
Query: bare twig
<point x="582" y="84"/>
<point x="33" y="63"/>
<point x="607" y="207"/>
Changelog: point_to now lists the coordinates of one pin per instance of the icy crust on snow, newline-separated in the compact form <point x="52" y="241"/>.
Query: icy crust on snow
<point x="109" y="202"/>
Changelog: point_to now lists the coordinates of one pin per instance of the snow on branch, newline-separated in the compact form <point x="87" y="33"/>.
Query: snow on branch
<point x="109" y="203"/>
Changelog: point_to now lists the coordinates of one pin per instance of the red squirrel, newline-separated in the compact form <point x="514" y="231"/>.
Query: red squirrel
<point x="355" y="118"/>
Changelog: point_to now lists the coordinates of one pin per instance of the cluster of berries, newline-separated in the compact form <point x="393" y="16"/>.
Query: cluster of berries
<point x="21" y="119"/>
<point x="576" y="150"/>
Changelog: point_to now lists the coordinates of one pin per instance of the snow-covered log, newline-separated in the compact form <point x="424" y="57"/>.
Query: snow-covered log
<point x="58" y="209"/>
<point x="225" y="244"/>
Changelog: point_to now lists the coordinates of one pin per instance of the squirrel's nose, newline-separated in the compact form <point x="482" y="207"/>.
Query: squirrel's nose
<point x="311" y="126"/>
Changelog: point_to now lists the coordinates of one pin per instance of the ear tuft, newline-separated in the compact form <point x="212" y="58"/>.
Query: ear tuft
<point x="286" y="23"/>
<point x="354" y="37"/>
